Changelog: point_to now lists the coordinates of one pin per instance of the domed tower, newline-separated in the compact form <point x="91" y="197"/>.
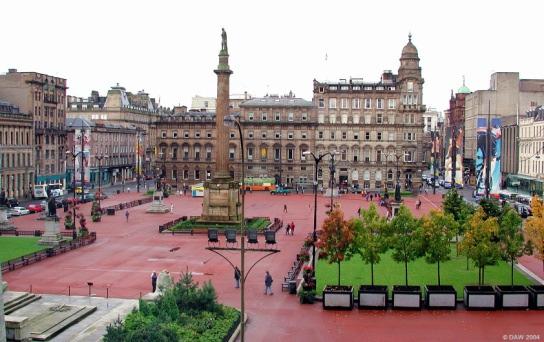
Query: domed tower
<point x="409" y="77"/>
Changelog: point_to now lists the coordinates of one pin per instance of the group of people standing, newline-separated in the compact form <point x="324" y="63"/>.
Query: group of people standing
<point x="290" y="228"/>
<point x="267" y="281"/>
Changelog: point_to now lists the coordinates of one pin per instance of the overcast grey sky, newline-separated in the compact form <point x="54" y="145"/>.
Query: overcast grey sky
<point x="170" y="48"/>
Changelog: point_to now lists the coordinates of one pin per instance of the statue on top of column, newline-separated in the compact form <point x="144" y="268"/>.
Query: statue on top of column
<point x="223" y="40"/>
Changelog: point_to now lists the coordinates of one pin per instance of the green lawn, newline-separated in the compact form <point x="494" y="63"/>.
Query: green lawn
<point x="454" y="272"/>
<point x="16" y="246"/>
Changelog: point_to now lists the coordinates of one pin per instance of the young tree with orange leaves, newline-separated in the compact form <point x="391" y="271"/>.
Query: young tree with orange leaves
<point x="336" y="239"/>
<point x="534" y="228"/>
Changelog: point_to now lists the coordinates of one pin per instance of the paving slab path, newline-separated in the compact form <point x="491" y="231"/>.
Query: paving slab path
<point x="126" y="253"/>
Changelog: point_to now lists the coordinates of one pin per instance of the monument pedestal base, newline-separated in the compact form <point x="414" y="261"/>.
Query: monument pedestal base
<point x="395" y="206"/>
<point x="222" y="201"/>
<point x="52" y="236"/>
<point x="157" y="207"/>
<point x="4" y="222"/>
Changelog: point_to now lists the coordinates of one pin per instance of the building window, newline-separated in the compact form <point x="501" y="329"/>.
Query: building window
<point x="174" y="153"/>
<point x="332" y="135"/>
<point x="332" y="118"/>
<point x="355" y="104"/>
<point x="208" y="153"/>
<point x="290" y="135"/>
<point x="209" y="135"/>
<point x="355" y="135"/>
<point x="321" y="89"/>
<point x="277" y="116"/>
<point x="344" y="155"/>
<point x="320" y="134"/>
<point x="264" y="116"/>
<point x="304" y="116"/>
<point x="409" y="136"/>
<point x="290" y="116"/>
<point x="303" y="135"/>
<point x="290" y="153"/>
<point x="410" y="86"/>
<point x="197" y="134"/>
<point x="408" y="156"/>
<point x="264" y="153"/>
<point x="197" y="152"/>
<point x="186" y="134"/>
<point x="185" y="152"/>
<point x="174" y="174"/>
<point x="321" y="103"/>
<point x="344" y="103"/>
<point x="250" y="116"/>
<point x="332" y="103"/>
<point x="197" y="174"/>
<point x="277" y="135"/>
<point x="250" y="135"/>
<point x="277" y="153"/>
<point x="378" y="155"/>
<point x="379" y="118"/>
<point x="175" y="134"/>
<point x="368" y="103"/>
<point x="250" y="153"/>
<point x="344" y="135"/>
<point x="379" y="103"/>
<point x="367" y="135"/>
<point x="185" y="174"/>
<point x="231" y="153"/>
<point x="379" y="135"/>
<point x="163" y="134"/>
<point x="232" y="135"/>
<point x="391" y="104"/>
<point x="208" y="174"/>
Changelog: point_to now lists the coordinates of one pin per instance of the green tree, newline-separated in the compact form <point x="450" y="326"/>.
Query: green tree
<point x="336" y="239"/>
<point x="455" y="205"/>
<point x="369" y="240"/>
<point x="511" y="239"/>
<point x="403" y="238"/>
<point x="480" y="242"/>
<point x="491" y="207"/>
<point x="437" y="230"/>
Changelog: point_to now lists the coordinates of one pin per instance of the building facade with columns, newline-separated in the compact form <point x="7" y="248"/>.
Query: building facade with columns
<point x="120" y="107"/>
<point x="375" y="126"/>
<point x="530" y="178"/>
<point x="16" y="151"/>
<point x="43" y="97"/>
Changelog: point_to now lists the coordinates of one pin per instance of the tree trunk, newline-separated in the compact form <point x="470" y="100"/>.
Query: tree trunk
<point x="372" y="273"/>
<point x="512" y="272"/>
<point x="339" y="274"/>
<point x="479" y="276"/>
<point x="438" y="266"/>
<point x="483" y="275"/>
<point x="406" y="272"/>
<point x="467" y="263"/>
<point x="456" y="244"/>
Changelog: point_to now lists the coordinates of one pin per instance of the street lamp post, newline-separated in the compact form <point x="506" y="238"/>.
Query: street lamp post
<point x="230" y="121"/>
<point x="317" y="160"/>
<point x="332" y="168"/>
<point x="138" y="161"/>
<point x="74" y="157"/>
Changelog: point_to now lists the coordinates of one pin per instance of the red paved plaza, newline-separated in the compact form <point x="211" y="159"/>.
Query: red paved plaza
<point x="126" y="253"/>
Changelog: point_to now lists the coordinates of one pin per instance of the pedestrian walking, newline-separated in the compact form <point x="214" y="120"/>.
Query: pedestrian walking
<point x="154" y="281"/>
<point x="418" y="203"/>
<point x="287" y="229"/>
<point x="268" y="284"/>
<point x="126" y="215"/>
<point x="172" y="208"/>
<point x="292" y="228"/>
<point x="237" y="275"/>
<point x="285" y="208"/>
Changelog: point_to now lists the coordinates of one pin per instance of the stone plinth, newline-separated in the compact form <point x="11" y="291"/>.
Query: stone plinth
<point x="395" y="206"/>
<point x="5" y="224"/>
<point x="157" y="207"/>
<point x="51" y="236"/>
<point x="222" y="201"/>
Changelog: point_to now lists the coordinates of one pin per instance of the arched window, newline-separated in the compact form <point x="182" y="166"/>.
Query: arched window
<point x="390" y="175"/>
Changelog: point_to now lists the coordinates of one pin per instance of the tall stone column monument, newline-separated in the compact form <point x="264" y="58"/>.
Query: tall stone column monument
<point x="222" y="194"/>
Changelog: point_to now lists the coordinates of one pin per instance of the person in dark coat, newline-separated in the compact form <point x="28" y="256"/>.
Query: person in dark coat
<point x="268" y="284"/>
<point x="154" y="281"/>
<point x="237" y="276"/>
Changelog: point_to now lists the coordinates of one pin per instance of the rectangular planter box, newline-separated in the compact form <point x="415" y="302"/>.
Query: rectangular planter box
<point x="440" y="297"/>
<point x="372" y="297"/>
<point x="480" y="297"/>
<point x="338" y="297"/>
<point x="537" y="296"/>
<point x="513" y="297"/>
<point x="406" y="297"/>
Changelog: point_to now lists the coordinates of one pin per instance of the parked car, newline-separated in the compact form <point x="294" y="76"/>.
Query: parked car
<point x="12" y="202"/>
<point x="34" y="208"/>
<point x="446" y="185"/>
<point x="355" y="189"/>
<point x="58" y="202"/>
<point x="441" y="181"/>
<point x="88" y="197"/>
<point x="459" y="186"/>
<point x="19" y="211"/>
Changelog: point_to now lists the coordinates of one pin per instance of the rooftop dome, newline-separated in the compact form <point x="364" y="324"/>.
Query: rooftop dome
<point x="463" y="89"/>
<point x="410" y="50"/>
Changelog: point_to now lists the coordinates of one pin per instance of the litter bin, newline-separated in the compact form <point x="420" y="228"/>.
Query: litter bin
<point x="292" y="286"/>
<point x="111" y="211"/>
